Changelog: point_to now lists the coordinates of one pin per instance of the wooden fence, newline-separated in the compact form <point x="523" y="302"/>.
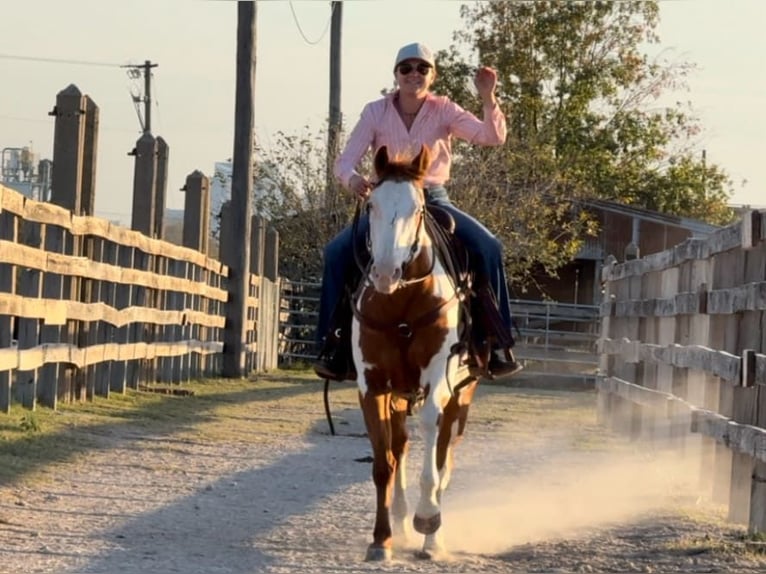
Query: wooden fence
<point x="88" y="308"/>
<point x="683" y="358"/>
<point x="552" y="338"/>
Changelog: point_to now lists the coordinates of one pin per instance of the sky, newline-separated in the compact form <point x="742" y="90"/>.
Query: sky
<point x="42" y="43"/>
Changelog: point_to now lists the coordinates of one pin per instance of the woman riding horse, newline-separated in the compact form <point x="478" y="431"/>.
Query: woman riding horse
<point x="404" y="121"/>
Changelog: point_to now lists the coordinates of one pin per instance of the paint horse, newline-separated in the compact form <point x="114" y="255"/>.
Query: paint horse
<point x="405" y="326"/>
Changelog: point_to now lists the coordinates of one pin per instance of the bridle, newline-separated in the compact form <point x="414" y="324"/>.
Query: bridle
<point x="414" y="248"/>
<point x="403" y="330"/>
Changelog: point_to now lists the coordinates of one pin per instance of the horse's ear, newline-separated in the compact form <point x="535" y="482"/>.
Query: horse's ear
<point x="422" y="160"/>
<point x="381" y="160"/>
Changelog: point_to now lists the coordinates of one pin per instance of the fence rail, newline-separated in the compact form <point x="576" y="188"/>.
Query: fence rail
<point x="548" y="333"/>
<point x="683" y="358"/>
<point x="88" y="308"/>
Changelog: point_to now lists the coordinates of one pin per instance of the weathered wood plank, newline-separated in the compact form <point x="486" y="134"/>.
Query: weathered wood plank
<point x="50" y="214"/>
<point x="58" y="312"/>
<point x="33" y="258"/>
<point x="52" y="353"/>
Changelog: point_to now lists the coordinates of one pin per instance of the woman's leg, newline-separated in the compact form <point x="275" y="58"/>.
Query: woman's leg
<point x="338" y="265"/>
<point x="487" y="252"/>
<point x="334" y="349"/>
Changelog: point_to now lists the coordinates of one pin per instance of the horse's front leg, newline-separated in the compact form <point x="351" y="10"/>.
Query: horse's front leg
<point x="400" y="448"/>
<point x="377" y="418"/>
<point x="427" y="518"/>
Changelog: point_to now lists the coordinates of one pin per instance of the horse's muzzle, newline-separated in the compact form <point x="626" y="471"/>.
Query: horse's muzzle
<point x="385" y="279"/>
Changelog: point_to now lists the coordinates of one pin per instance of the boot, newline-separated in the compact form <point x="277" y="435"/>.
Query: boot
<point x="335" y="361"/>
<point x="335" y="367"/>
<point x="502" y="363"/>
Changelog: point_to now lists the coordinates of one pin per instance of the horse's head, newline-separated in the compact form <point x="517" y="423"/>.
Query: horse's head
<point x="396" y="211"/>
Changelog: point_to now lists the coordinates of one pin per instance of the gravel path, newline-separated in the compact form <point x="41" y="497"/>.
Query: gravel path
<point x="537" y="488"/>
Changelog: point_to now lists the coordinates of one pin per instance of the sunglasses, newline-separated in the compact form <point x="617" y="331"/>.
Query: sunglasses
<point x="422" y="69"/>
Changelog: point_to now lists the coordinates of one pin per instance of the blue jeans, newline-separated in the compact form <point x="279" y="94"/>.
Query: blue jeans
<point x="485" y="250"/>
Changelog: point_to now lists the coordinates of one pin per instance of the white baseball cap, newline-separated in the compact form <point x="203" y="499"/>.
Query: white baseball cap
<point x="415" y="51"/>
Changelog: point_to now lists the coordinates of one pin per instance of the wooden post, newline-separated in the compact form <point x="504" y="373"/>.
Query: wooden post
<point x="241" y="192"/>
<point x="754" y="239"/>
<point x="89" y="156"/>
<point x="258" y="245"/>
<point x="255" y="315"/>
<point x="8" y="232"/>
<point x="606" y="361"/>
<point x="727" y="272"/>
<point x="107" y="294"/>
<point x="271" y="254"/>
<point x="757" y="520"/>
<point x="335" y="122"/>
<point x="87" y="331"/>
<point x="25" y="389"/>
<point x="161" y="187"/>
<point x="52" y="288"/>
<point x="144" y="182"/>
<point x="123" y="296"/>
<point x="196" y="234"/>
<point x="68" y="142"/>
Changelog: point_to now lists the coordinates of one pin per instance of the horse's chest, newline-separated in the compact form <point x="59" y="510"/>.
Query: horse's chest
<point x="397" y="345"/>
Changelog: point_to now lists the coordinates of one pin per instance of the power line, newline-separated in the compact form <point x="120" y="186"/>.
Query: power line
<point x="57" y="61"/>
<point x="303" y="35"/>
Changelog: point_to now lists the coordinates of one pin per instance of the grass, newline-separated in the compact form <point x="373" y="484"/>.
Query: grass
<point x="262" y="408"/>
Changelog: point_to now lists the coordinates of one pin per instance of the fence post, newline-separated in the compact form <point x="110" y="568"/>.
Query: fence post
<point x="89" y="156"/>
<point x="257" y="316"/>
<point x="90" y="247"/>
<point x="757" y="521"/>
<point x="271" y="254"/>
<point x="8" y="232"/>
<point x="68" y="141"/>
<point x="257" y="245"/>
<point x="753" y="331"/>
<point x="144" y="182"/>
<point x="25" y="389"/>
<point x="161" y="186"/>
<point x="196" y="234"/>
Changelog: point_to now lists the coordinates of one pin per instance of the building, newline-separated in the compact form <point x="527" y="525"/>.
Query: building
<point x="625" y="232"/>
<point x="21" y="169"/>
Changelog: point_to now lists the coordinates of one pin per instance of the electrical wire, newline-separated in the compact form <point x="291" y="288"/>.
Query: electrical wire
<point x="58" y="61"/>
<point x="303" y="35"/>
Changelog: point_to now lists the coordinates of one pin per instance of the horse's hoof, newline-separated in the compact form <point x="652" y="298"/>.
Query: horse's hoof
<point x="427" y="525"/>
<point x="377" y="554"/>
<point x="435" y="554"/>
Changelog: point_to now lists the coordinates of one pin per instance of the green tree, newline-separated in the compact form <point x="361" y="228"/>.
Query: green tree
<point x="584" y="122"/>
<point x="290" y="190"/>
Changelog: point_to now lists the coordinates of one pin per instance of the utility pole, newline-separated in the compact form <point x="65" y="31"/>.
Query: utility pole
<point x="135" y="71"/>
<point x="334" y="127"/>
<point x="234" y="363"/>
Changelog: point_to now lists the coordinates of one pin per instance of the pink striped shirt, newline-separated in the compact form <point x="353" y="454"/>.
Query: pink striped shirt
<point x="438" y="120"/>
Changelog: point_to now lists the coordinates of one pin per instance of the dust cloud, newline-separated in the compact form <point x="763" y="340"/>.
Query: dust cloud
<point x="570" y="494"/>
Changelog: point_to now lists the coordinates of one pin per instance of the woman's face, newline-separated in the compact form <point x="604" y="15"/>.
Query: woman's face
<point x="415" y="76"/>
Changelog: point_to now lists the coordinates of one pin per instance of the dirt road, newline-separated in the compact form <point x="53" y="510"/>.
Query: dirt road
<point x="256" y="484"/>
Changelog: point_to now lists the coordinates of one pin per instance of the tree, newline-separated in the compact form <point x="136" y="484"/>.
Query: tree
<point x="584" y="122"/>
<point x="289" y="190"/>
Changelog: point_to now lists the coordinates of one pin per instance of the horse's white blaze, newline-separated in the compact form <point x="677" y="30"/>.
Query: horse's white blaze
<point x="393" y="231"/>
